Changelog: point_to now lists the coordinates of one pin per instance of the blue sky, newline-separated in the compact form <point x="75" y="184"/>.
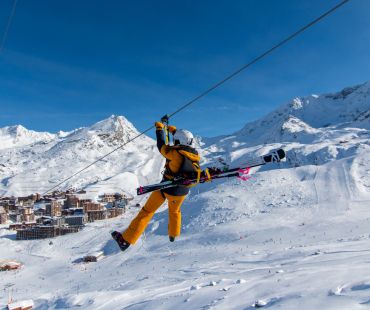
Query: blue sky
<point x="67" y="64"/>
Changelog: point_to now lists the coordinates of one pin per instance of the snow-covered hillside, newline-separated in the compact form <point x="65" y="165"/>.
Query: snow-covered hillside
<point x="34" y="162"/>
<point x="313" y="130"/>
<point x="296" y="235"/>
<point x="16" y="136"/>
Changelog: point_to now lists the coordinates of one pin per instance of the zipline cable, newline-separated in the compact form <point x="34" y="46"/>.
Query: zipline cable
<point x="10" y="19"/>
<point x="213" y="87"/>
<point x="281" y="43"/>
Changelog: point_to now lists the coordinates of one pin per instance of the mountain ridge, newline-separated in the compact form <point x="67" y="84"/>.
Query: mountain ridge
<point x="38" y="164"/>
<point x="313" y="130"/>
<point x="306" y="127"/>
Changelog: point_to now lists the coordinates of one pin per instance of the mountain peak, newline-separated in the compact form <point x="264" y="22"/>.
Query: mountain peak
<point x="114" y="123"/>
<point x="15" y="130"/>
<point x="296" y="104"/>
<point x="113" y="131"/>
<point x="17" y="135"/>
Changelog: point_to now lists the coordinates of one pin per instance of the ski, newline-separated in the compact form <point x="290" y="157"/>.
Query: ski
<point x="217" y="173"/>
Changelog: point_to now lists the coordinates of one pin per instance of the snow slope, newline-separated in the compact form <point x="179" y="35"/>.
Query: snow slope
<point x="296" y="235"/>
<point x="290" y="245"/>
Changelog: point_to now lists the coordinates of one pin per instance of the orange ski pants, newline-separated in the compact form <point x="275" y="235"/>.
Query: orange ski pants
<point x="141" y="221"/>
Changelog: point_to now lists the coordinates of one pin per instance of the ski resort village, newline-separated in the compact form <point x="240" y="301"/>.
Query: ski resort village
<point x="34" y="217"/>
<point x="188" y="155"/>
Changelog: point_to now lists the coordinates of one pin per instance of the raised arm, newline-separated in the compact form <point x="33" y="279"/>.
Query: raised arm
<point x="164" y="149"/>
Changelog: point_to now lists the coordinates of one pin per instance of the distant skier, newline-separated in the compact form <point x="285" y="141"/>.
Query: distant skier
<point x="182" y="160"/>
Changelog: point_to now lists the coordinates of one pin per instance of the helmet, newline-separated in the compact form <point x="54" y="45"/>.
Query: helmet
<point x="183" y="137"/>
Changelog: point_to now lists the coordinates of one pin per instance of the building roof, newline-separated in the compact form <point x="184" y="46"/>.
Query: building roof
<point x="21" y="304"/>
<point x="10" y="264"/>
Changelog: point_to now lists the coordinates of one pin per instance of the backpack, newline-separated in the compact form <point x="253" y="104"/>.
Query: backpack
<point x="190" y="168"/>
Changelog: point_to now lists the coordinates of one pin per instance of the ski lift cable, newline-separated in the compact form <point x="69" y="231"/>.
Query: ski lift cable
<point x="10" y="19"/>
<point x="213" y="87"/>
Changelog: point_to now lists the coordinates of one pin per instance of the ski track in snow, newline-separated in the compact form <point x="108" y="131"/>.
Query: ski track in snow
<point x="332" y="187"/>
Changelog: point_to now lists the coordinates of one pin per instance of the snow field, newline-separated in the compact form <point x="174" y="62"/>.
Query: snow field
<point x="273" y="239"/>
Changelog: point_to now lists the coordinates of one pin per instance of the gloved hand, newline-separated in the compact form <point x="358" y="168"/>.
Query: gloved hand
<point x="165" y="118"/>
<point x="158" y="125"/>
<point x="172" y="129"/>
<point x="214" y="171"/>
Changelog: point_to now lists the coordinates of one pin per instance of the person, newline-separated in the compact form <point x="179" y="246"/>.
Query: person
<point x="182" y="160"/>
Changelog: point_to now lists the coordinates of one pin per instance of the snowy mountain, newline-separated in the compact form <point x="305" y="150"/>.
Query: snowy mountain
<point x="313" y="130"/>
<point x="345" y="108"/>
<point x="36" y="162"/>
<point x="16" y="136"/>
<point x="294" y="236"/>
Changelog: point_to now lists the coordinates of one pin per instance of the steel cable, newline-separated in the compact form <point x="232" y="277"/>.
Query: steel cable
<point x="214" y="86"/>
<point x="10" y="19"/>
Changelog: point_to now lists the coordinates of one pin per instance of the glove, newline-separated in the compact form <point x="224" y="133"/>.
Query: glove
<point x="165" y="118"/>
<point x="172" y="129"/>
<point x="158" y="125"/>
<point x="214" y="171"/>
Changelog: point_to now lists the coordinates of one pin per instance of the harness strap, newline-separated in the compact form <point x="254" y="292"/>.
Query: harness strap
<point x="199" y="171"/>
<point x="161" y="191"/>
<point x="208" y="175"/>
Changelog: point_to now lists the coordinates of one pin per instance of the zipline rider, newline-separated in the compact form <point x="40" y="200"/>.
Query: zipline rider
<point x="182" y="160"/>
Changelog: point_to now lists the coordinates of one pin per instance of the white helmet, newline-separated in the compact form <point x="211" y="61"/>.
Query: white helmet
<point x="183" y="137"/>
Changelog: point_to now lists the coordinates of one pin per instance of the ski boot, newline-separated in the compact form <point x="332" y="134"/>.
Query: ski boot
<point x="172" y="239"/>
<point x="122" y="243"/>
